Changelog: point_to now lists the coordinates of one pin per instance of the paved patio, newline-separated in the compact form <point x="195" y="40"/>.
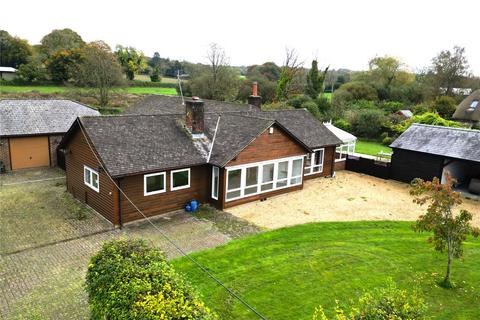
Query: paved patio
<point x="43" y="261"/>
<point x="348" y="197"/>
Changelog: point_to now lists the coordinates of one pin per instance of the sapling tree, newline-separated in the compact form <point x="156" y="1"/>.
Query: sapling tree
<point x="450" y="230"/>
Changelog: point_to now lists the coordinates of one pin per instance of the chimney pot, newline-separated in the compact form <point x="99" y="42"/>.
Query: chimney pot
<point x="255" y="88"/>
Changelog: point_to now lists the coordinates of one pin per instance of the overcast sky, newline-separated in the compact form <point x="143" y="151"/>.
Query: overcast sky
<point x="341" y="33"/>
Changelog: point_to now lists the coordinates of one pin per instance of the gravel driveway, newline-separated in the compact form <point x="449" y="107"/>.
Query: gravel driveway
<point x="348" y="197"/>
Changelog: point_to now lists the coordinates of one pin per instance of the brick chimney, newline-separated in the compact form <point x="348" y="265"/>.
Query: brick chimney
<point x="194" y="116"/>
<point x="254" y="99"/>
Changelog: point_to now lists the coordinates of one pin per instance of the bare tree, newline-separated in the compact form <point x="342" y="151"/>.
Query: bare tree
<point x="291" y="70"/>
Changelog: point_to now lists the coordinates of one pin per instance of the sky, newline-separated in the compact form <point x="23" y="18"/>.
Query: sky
<point x="339" y="33"/>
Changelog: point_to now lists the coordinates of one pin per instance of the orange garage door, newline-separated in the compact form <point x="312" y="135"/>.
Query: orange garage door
<point x="29" y="152"/>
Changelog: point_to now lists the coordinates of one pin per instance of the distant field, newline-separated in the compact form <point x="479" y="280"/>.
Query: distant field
<point x="371" y="147"/>
<point x="59" y="89"/>
<point x="144" y="77"/>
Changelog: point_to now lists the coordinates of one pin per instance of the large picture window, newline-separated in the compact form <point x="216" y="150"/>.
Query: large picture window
<point x="154" y="183"/>
<point x="314" y="162"/>
<point x="247" y="180"/>
<point x="90" y="178"/>
<point x="179" y="179"/>
<point x="215" y="182"/>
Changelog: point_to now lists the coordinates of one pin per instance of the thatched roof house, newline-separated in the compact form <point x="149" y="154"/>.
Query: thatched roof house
<point x="469" y="109"/>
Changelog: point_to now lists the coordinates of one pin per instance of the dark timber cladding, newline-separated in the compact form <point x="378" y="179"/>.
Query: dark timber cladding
<point x="407" y="165"/>
<point x="78" y="155"/>
<point x="151" y="205"/>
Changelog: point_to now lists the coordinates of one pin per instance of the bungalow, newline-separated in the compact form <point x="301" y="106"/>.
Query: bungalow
<point x="30" y="130"/>
<point x="214" y="155"/>
<point x="8" y="73"/>
<point x="425" y="151"/>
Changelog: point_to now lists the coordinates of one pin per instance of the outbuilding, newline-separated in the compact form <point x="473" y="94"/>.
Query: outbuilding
<point x="425" y="151"/>
<point x="30" y="130"/>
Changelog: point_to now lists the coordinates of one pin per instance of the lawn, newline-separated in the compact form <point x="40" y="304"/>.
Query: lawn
<point x="371" y="147"/>
<point x="60" y="89"/>
<point x="286" y="273"/>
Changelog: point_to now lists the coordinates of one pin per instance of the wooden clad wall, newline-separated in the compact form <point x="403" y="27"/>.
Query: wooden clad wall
<point x="407" y="165"/>
<point x="269" y="147"/>
<point x="167" y="201"/>
<point x="79" y="154"/>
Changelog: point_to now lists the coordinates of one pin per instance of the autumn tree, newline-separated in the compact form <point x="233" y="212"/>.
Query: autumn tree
<point x="13" y="50"/>
<point x="60" y="40"/>
<point x="448" y="69"/>
<point x="291" y="69"/>
<point x="315" y="80"/>
<point x="450" y="230"/>
<point x="99" y="69"/>
<point x="131" y="60"/>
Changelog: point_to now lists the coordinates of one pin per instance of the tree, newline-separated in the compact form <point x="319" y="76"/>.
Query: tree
<point x="450" y="230"/>
<point x="155" y="61"/>
<point x="354" y="90"/>
<point x="315" y="80"/>
<point x="61" y="63"/>
<point x="60" y="40"/>
<point x="13" y="50"/>
<point x="132" y="61"/>
<point x="217" y="80"/>
<point x="448" y="69"/>
<point x="99" y="69"/>
<point x="445" y="106"/>
<point x="292" y="68"/>
<point x="385" y="70"/>
<point x="368" y="123"/>
<point x="33" y="70"/>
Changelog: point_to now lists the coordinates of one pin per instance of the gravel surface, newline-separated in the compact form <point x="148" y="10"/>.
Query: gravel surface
<point x="348" y="197"/>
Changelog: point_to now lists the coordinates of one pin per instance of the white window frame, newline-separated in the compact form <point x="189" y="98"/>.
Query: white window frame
<point x="259" y="165"/>
<point x="181" y="187"/>
<point x="215" y="190"/>
<point x="91" y="173"/>
<point x="145" y="192"/>
<point x="312" y="165"/>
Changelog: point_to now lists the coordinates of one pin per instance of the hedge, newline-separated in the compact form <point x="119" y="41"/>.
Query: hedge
<point x="149" y="84"/>
<point x="128" y="279"/>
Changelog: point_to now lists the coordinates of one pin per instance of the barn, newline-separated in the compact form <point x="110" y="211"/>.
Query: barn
<point x="425" y="151"/>
<point x="30" y="130"/>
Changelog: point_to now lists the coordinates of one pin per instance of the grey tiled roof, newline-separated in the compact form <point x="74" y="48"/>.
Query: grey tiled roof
<point x="444" y="141"/>
<point x="160" y="104"/>
<point x="32" y="117"/>
<point x="304" y="126"/>
<point x="300" y="122"/>
<point x="141" y="143"/>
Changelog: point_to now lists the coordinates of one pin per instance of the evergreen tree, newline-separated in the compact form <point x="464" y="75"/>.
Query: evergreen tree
<point x="315" y="80"/>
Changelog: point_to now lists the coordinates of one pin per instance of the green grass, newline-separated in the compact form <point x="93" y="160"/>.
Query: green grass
<point x="328" y="95"/>
<point x="286" y="273"/>
<point x="371" y="147"/>
<point x="60" y="89"/>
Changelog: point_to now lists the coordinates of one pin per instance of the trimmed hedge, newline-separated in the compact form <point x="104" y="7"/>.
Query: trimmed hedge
<point x="128" y="279"/>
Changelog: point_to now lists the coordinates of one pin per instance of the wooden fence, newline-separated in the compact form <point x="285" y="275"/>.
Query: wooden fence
<point x="372" y="167"/>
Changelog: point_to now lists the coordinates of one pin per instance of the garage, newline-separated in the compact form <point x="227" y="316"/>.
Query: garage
<point x="31" y="130"/>
<point x="29" y="152"/>
<point x="426" y="152"/>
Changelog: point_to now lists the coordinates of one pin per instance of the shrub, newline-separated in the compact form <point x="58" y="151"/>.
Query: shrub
<point x="362" y="104"/>
<point x="444" y="106"/>
<point x="127" y="279"/>
<point x="392" y="106"/>
<point x="387" y="141"/>
<point x="421" y="108"/>
<point x="312" y="107"/>
<point x="430" y="118"/>
<point x="355" y="90"/>
<point x="388" y="303"/>
<point x="155" y="76"/>
<point x="323" y="104"/>
<point x="298" y="101"/>
<point x="343" y="124"/>
<point x="149" y="84"/>
<point x="368" y="123"/>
